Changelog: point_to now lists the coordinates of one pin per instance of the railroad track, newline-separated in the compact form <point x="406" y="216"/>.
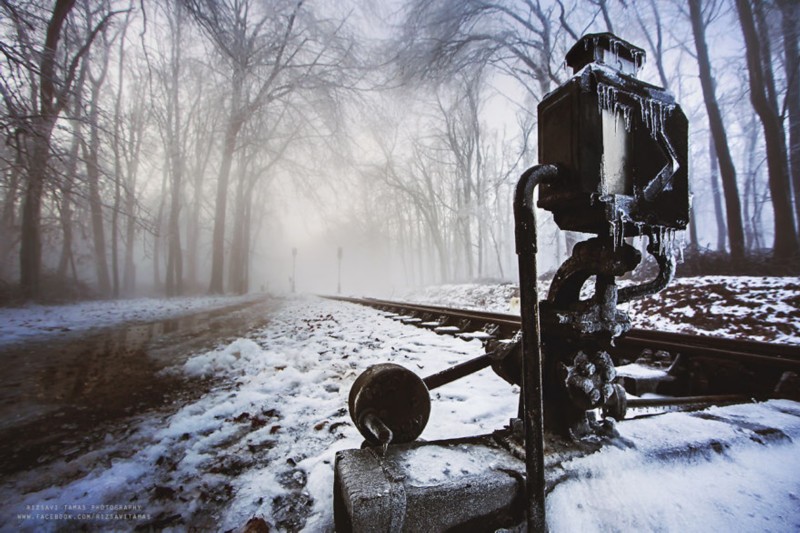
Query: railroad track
<point x="712" y="370"/>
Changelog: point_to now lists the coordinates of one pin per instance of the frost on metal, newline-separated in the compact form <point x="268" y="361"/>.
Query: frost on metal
<point x="620" y="147"/>
<point x="621" y="142"/>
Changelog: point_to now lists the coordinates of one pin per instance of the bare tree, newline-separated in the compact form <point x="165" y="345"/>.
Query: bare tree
<point x="92" y="156"/>
<point x="242" y="37"/>
<point x="201" y="127"/>
<point x="733" y="208"/>
<point x="717" y="194"/>
<point x="790" y="16"/>
<point x="519" y="38"/>
<point x="654" y="35"/>
<point x="462" y="137"/>
<point x="175" y="149"/>
<point x="751" y="201"/>
<point x="132" y="132"/>
<point x="763" y="95"/>
<point x="51" y="72"/>
<point x="68" y="182"/>
<point x="269" y="54"/>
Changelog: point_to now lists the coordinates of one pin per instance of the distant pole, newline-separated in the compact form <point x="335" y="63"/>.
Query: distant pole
<point x="339" y="285"/>
<point x="294" y="268"/>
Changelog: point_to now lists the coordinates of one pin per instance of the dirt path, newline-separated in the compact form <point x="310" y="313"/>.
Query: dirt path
<point x="60" y="397"/>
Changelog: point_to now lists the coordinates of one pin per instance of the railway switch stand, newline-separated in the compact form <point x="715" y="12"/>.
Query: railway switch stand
<point x="620" y="171"/>
<point x="613" y="164"/>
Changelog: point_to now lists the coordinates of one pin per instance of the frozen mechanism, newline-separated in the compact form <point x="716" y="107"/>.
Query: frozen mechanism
<point x="612" y="152"/>
<point x="620" y="147"/>
<point x="389" y="404"/>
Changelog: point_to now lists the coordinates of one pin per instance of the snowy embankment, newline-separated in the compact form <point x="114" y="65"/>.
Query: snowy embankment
<point x="43" y="321"/>
<point x="745" y="307"/>
<point x="262" y="445"/>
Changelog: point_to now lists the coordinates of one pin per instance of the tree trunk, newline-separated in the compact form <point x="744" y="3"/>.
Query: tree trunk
<point x="750" y="189"/>
<point x="694" y="242"/>
<point x="220" y="211"/>
<point x="157" y="238"/>
<point x="118" y="161"/>
<point x="245" y="285"/>
<point x="174" y="132"/>
<point x="238" y="245"/>
<point x="66" y="204"/>
<point x="790" y="13"/>
<point x="115" y="229"/>
<point x="30" y="254"/>
<point x="192" y="236"/>
<point x="65" y="213"/>
<point x="132" y="172"/>
<point x="129" y="270"/>
<point x="92" y="155"/>
<point x="8" y="238"/>
<point x="762" y="91"/>
<point x="235" y="122"/>
<point x="719" y="216"/>
<point x="193" y="230"/>
<point x="174" y="255"/>
<point x="69" y="177"/>
<point x="733" y="208"/>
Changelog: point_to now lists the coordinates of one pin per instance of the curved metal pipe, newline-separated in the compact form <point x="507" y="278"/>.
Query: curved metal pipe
<point x="532" y="398"/>
<point x="666" y="271"/>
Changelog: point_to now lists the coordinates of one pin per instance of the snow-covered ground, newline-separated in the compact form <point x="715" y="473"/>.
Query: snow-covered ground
<point x="45" y="321"/>
<point x="747" y="307"/>
<point x="261" y="444"/>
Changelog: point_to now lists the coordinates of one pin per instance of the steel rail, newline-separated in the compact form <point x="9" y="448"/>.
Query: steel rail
<point x="746" y="351"/>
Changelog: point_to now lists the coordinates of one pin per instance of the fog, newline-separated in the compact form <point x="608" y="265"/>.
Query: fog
<point x="177" y="148"/>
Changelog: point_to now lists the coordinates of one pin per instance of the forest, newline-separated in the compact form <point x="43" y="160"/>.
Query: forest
<point x="227" y="146"/>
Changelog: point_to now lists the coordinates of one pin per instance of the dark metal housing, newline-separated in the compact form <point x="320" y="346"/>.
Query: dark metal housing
<point x="622" y="145"/>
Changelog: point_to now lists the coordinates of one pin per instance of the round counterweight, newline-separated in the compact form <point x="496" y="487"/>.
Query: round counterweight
<point x="396" y="396"/>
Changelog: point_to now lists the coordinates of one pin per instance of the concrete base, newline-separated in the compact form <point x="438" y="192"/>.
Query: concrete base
<point x="475" y="484"/>
<point x="467" y="485"/>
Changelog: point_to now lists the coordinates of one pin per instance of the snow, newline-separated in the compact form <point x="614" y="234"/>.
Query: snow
<point x="430" y="466"/>
<point x="740" y="491"/>
<point x="46" y="321"/>
<point x="488" y="297"/>
<point x="742" y="485"/>
<point x="761" y="308"/>
<point x="262" y="442"/>
<point x="640" y="371"/>
<point x="265" y="441"/>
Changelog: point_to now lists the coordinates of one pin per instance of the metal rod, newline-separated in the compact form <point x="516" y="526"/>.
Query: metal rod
<point x="686" y="400"/>
<point x="457" y="372"/>
<point x="532" y="397"/>
<point x="706" y="352"/>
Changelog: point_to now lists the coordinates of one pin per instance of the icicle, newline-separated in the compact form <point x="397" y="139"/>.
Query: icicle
<point x="654" y="115"/>
<point x="644" y="109"/>
<point x="652" y="112"/>
<point x="626" y="116"/>
<point x="614" y="46"/>
<point x="662" y="245"/>
<point x="600" y="97"/>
